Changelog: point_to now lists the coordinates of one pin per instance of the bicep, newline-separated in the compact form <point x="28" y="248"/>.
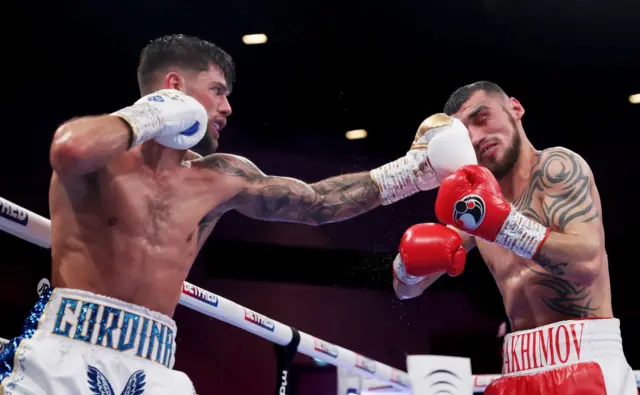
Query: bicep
<point x="264" y="197"/>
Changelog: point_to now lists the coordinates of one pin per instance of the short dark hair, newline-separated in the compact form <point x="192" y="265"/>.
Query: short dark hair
<point x="179" y="50"/>
<point x="462" y="94"/>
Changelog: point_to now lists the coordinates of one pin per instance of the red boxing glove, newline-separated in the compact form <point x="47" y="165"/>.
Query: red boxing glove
<point x="470" y="200"/>
<point x="427" y="249"/>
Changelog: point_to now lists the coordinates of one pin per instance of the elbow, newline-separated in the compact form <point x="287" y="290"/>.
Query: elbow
<point x="592" y="249"/>
<point x="319" y="213"/>
<point x="590" y="272"/>
<point x="591" y="264"/>
<point x="65" y="154"/>
<point x="402" y="296"/>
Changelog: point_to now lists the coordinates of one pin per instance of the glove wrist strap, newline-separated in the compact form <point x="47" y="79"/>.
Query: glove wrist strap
<point x="401" y="273"/>
<point x="399" y="179"/>
<point x="145" y="122"/>
<point x="522" y="235"/>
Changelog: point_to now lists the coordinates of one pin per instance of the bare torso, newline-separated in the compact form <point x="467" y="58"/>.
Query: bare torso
<point x="533" y="296"/>
<point x="131" y="232"/>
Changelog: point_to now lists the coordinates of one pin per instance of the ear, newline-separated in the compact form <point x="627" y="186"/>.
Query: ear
<point x="173" y="80"/>
<point x="516" y="107"/>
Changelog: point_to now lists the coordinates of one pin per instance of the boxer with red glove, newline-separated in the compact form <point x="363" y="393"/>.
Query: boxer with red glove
<point x="470" y="200"/>
<point x="428" y="249"/>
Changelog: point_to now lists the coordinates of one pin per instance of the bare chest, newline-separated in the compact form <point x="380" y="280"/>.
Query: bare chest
<point x="154" y="204"/>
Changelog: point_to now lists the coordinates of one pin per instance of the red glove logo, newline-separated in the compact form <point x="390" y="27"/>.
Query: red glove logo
<point x="468" y="212"/>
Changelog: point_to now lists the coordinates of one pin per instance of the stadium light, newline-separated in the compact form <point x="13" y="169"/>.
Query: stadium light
<point x="253" y="39"/>
<point x="634" y="99"/>
<point x="356" y="134"/>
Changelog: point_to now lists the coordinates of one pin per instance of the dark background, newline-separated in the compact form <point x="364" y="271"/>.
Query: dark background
<point x="330" y="67"/>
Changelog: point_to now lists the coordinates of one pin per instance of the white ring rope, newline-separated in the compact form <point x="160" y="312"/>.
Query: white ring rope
<point x="36" y="229"/>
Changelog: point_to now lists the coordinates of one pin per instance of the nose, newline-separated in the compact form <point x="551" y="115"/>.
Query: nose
<point x="225" y="107"/>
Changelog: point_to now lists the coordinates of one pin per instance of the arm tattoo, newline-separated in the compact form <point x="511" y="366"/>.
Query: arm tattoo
<point x="290" y="200"/>
<point x="569" y="190"/>
<point x="565" y="182"/>
<point x="347" y="195"/>
<point x="231" y="165"/>
<point x="567" y="187"/>
<point x="567" y="199"/>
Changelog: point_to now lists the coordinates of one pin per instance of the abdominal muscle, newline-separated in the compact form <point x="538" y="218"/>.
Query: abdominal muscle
<point x="129" y="236"/>
<point x="129" y="269"/>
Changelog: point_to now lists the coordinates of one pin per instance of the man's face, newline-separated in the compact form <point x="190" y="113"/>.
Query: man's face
<point x="492" y="122"/>
<point x="210" y="89"/>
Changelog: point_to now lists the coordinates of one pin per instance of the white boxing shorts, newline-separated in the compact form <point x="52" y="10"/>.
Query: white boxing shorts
<point x="566" y="358"/>
<point x="77" y="342"/>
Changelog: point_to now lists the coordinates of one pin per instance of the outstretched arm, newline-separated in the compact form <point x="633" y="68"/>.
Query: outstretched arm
<point x="289" y="200"/>
<point x="573" y="247"/>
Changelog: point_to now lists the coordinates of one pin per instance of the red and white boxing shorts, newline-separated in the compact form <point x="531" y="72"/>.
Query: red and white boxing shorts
<point x="569" y="357"/>
<point x="80" y="343"/>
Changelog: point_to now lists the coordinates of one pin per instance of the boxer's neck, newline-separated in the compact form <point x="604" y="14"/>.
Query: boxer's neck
<point x="159" y="157"/>
<point x="517" y="180"/>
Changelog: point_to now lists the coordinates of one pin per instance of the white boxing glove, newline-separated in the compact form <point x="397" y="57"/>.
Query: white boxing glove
<point x="171" y="117"/>
<point x="441" y="146"/>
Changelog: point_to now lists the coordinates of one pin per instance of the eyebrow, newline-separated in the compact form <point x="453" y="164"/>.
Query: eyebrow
<point x="477" y="111"/>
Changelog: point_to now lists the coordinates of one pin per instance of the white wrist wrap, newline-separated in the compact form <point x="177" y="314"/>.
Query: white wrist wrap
<point x="402" y="178"/>
<point x="521" y="235"/>
<point x="145" y="121"/>
<point x="402" y="275"/>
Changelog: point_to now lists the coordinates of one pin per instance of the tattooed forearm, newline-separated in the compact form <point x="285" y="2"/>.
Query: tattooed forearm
<point x="350" y="194"/>
<point x="287" y="199"/>
<point x="331" y="200"/>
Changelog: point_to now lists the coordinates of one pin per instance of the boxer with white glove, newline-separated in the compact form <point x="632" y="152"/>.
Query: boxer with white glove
<point x="171" y="117"/>
<point x="428" y="249"/>
<point x="440" y="147"/>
